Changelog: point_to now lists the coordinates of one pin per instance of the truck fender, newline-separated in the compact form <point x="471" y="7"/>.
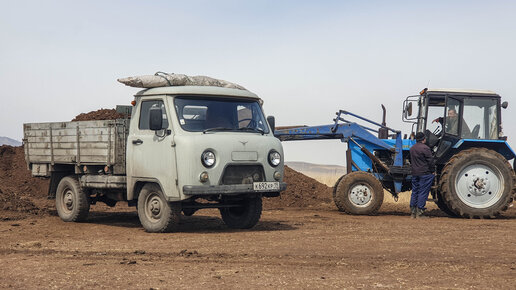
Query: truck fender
<point x="134" y="189"/>
<point x="55" y="178"/>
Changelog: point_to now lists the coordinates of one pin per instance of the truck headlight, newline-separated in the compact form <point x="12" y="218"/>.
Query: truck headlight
<point x="274" y="158"/>
<point x="208" y="158"/>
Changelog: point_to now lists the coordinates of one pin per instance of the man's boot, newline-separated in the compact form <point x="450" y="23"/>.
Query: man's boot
<point x="420" y="213"/>
<point x="413" y="212"/>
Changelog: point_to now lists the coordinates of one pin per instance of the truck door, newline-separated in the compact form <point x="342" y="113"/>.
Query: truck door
<point x="152" y="154"/>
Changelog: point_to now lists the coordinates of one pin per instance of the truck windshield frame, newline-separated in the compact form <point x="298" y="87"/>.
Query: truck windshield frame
<point x="208" y="114"/>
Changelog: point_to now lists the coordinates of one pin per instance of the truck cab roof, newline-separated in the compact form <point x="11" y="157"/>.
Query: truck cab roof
<point x="199" y="90"/>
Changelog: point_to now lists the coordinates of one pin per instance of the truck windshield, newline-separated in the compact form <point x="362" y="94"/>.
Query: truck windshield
<point x="220" y="114"/>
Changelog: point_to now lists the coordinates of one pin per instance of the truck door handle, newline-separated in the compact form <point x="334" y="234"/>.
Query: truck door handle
<point x="137" y="142"/>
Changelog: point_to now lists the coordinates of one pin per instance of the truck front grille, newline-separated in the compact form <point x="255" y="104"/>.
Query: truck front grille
<point x="243" y="174"/>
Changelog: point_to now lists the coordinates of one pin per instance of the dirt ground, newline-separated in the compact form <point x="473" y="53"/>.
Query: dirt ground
<point x="289" y="248"/>
<point x="301" y="241"/>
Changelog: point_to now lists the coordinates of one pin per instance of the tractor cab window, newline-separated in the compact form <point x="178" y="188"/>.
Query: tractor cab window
<point x="435" y="112"/>
<point x="451" y="125"/>
<point x="481" y="115"/>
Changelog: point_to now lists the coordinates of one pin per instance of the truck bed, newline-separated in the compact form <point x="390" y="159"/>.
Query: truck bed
<point x="75" y="143"/>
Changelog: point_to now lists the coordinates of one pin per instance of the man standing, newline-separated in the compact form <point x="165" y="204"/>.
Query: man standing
<point x="422" y="165"/>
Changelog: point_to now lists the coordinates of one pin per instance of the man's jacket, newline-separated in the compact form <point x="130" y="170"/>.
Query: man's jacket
<point x="421" y="160"/>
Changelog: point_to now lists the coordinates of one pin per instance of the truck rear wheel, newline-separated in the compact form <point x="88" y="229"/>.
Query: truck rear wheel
<point x="72" y="202"/>
<point x="358" y="193"/>
<point x="478" y="183"/>
<point x="156" y="214"/>
<point x="245" y="216"/>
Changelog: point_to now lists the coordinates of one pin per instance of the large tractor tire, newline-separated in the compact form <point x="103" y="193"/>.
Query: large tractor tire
<point x="72" y="202"/>
<point x="439" y="201"/>
<point x="358" y="193"/>
<point x="245" y="216"/>
<point x="477" y="183"/>
<point x="156" y="214"/>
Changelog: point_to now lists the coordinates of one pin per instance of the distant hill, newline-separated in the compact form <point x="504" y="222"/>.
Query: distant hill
<point x="326" y="174"/>
<point x="9" y="141"/>
<point x="316" y="168"/>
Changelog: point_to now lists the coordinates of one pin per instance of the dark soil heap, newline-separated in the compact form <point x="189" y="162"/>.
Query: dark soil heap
<point x="302" y="191"/>
<point x="20" y="192"/>
<point x="102" y="114"/>
<point x="18" y="189"/>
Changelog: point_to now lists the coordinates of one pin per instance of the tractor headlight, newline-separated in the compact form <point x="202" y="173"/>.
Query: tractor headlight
<point x="274" y="158"/>
<point x="208" y="158"/>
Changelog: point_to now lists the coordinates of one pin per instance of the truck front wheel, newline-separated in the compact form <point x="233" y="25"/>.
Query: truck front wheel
<point x="156" y="214"/>
<point x="244" y="216"/>
<point x="72" y="202"/>
<point x="358" y="193"/>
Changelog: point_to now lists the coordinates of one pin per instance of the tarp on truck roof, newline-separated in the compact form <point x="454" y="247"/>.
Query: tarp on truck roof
<point x="161" y="79"/>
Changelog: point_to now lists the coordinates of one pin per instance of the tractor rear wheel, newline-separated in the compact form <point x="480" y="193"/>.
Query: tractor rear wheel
<point x="439" y="201"/>
<point x="477" y="183"/>
<point x="358" y="193"/>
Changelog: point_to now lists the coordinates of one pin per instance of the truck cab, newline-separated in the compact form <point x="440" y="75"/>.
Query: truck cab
<point x="206" y="143"/>
<point x="184" y="148"/>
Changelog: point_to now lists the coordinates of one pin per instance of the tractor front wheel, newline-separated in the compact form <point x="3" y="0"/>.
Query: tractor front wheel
<point x="358" y="193"/>
<point x="477" y="183"/>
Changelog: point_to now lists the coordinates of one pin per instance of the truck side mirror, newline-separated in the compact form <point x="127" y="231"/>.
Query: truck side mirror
<point x="505" y="105"/>
<point x="155" y="119"/>
<point x="272" y="123"/>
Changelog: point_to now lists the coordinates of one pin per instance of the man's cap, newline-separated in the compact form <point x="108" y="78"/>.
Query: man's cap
<point x="420" y="136"/>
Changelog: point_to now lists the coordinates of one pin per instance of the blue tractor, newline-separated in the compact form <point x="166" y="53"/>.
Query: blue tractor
<point x="463" y="128"/>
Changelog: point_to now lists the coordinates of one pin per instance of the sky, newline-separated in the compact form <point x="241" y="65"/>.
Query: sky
<point x="305" y="59"/>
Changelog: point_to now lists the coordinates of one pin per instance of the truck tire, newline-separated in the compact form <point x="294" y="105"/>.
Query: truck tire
<point x="358" y="193"/>
<point x="72" y="202"/>
<point x="156" y="214"/>
<point x="245" y="216"/>
<point x="478" y="183"/>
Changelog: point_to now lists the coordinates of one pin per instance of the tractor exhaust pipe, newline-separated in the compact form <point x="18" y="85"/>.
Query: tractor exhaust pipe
<point x="383" y="133"/>
<point x="384" y="113"/>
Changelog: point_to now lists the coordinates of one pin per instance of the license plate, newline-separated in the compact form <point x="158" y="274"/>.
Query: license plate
<point x="265" y="186"/>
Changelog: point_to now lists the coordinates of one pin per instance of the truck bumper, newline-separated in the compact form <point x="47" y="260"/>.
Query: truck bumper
<point x="233" y="189"/>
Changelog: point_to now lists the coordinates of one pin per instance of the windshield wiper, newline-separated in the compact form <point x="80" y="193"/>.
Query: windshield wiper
<point x="233" y="129"/>
<point x="252" y="130"/>
<point x="218" y="129"/>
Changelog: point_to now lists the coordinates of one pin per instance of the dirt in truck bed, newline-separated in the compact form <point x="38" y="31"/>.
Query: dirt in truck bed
<point x="102" y="114"/>
<point x="302" y="241"/>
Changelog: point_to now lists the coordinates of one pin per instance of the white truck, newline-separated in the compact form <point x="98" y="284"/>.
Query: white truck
<point x="182" y="149"/>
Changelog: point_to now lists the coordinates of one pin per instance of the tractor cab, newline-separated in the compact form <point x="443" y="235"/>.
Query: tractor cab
<point x="448" y="116"/>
